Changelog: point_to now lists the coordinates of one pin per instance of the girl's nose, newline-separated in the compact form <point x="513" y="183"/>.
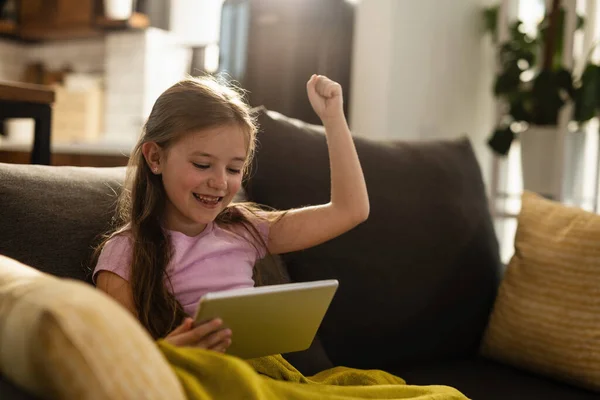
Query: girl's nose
<point x="218" y="182"/>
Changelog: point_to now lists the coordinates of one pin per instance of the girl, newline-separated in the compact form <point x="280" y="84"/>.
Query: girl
<point x="180" y="236"/>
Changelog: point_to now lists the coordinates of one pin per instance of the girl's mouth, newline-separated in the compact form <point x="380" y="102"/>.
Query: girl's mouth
<point x="206" y="200"/>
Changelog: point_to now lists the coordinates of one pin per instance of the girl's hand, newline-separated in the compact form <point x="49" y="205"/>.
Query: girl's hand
<point x="326" y="98"/>
<point x="206" y="336"/>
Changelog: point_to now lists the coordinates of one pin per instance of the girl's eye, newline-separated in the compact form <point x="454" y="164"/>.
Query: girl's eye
<point x="235" y="171"/>
<point x="200" y="166"/>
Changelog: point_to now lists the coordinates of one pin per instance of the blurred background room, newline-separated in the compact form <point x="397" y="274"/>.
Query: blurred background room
<point x="82" y="75"/>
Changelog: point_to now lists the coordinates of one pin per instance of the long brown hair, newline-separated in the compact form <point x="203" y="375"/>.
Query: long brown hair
<point x="190" y="105"/>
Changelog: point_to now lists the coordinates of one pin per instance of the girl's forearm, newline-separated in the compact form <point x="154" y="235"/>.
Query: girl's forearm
<point x="348" y="187"/>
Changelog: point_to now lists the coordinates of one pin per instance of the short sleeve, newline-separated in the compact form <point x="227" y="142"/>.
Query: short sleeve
<point x="115" y="257"/>
<point x="260" y="221"/>
<point x="262" y="225"/>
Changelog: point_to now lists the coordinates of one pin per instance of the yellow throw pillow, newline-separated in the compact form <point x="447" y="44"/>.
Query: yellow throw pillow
<point x="546" y="317"/>
<point x="64" y="339"/>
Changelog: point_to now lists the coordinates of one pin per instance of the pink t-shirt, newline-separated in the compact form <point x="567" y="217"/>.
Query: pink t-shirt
<point x="216" y="259"/>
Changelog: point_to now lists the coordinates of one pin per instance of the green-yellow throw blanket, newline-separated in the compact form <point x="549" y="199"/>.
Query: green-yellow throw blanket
<point x="211" y="375"/>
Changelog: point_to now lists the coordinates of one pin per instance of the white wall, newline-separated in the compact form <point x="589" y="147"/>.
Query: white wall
<point x="167" y="61"/>
<point x="196" y="22"/>
<point x="12" y="58"/>
<point x="82" y="56"/>
<point x="124" y="84"/>
<point x="372" y="68"/>
<point x="422" y="70"/>
<point x="139" y="67"/>
<point x="86" y="55"/>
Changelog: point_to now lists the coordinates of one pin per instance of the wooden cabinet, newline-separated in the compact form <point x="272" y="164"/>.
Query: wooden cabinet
<point x="40" y="20"/>
<point x="56" y="19"/>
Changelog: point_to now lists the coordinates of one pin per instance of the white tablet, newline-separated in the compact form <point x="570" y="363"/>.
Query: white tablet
<point x="269" y="319"/>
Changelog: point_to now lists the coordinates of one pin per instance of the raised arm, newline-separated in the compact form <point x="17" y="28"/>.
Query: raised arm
<point x="349" y="205"/>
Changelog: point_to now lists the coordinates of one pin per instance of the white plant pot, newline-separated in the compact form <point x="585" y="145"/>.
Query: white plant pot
<point x="118" y="9"/>
<point x="576" y="182"/>
<point x="540" y="165"/>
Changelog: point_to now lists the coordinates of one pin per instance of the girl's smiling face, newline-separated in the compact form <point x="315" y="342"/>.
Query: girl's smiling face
<point x="201" y="174"/>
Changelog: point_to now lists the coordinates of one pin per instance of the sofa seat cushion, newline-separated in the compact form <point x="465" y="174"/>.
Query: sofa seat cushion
<point x="63" y="339"/>
<point x="421" y="275"/>
<point x="480" y="378"/>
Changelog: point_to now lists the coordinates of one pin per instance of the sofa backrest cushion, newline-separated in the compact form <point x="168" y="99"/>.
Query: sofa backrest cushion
<point x="418" y="279"/>
<point x="51" y="217"/>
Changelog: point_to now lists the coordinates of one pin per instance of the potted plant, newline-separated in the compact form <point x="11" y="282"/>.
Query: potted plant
<point x="535" y="86"/>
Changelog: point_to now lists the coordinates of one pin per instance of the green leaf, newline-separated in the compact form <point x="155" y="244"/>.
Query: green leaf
<point x="519" y="108"/>
<point x="546" y="98"/>
<point x="508" y="81"/>
<point x="519" y="39"/>
<point x="501" y="140"/>
<point x="587" y="96"/>
<point x="580" y="22"/>
<point x="490" y="21"/>
<point x="528" y="56"/>
<point x="564" y="80"/>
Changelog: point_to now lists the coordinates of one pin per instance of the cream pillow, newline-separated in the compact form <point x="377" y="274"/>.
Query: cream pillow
<point x="546" y="317"/>
<point x="64" y="339"/>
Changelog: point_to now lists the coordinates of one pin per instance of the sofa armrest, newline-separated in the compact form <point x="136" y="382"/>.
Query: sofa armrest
<point x="9" y="391"/>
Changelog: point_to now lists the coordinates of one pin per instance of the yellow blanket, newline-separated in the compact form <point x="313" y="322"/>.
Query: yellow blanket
<point x="210" y="375"/>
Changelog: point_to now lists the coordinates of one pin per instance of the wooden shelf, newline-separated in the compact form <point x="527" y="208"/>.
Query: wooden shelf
<point x="8" y="27"/>
<point x="137" y="21"/>
<point x="40" y="34"/>
<point x="101" y="25"/>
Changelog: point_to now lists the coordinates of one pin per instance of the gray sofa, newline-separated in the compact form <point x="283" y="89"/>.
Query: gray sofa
<point x="417" y="280"/>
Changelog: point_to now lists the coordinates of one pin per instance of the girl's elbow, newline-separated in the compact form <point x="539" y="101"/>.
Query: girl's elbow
<point x="362" y="214"/>
<point x="353" y="215"/>
<point x="365" y="214"/>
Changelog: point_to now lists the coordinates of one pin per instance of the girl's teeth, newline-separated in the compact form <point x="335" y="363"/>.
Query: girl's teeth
<point x="208" y="199"/>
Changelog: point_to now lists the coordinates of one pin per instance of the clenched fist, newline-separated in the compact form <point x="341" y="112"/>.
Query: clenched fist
<point x="325" y="97"/>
